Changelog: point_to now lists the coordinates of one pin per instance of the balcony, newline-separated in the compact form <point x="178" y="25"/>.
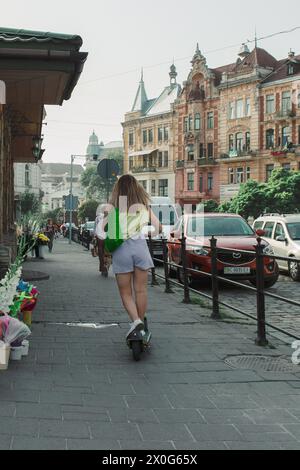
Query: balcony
<point x="186" y="163"/>
<point x="150" y="169"/>
<point x="285" y="114"/>
<point x="206" y="161"/>
<point x="237" y="155"/>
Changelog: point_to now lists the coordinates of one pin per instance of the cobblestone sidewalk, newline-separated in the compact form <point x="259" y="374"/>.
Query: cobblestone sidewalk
<point x="80" y="389"/>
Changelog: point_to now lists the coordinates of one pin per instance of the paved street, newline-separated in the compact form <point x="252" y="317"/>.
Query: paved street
<point x="80" y="389"/>
<point x="278" y="313"/>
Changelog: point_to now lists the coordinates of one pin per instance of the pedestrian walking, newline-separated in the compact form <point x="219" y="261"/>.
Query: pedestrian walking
<point x="132" y="260"/>
<point x="50" y="233"/>
<point x="99" y="239"/>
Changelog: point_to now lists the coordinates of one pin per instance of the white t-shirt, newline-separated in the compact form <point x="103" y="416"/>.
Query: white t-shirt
<point x="99" y="229"/>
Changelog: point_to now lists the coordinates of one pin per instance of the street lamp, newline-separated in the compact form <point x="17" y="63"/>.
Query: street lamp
<point x="73" y="157"/>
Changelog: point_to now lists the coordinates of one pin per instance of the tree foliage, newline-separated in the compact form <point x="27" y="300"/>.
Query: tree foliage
<point x="88" y="210"/>
<point x="281" y="194"/>
<point x="210" y="206"/>
<point x="30" y="203"/>
<point x="97" y="187"/>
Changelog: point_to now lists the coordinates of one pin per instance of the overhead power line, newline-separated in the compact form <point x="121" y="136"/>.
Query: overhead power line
<point x="106" y="77"/>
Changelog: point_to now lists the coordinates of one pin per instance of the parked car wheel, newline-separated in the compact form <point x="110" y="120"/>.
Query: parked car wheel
<point x="294" y="271"/>
<point x="270" y="281"/>
<point x="180" y="276"/>
<point x="171" y="271"/>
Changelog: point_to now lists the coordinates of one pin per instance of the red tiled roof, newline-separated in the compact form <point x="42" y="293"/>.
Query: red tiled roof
<point x="281" y="71"/>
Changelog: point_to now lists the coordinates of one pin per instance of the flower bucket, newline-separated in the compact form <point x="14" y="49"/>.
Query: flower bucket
<point x="27" y="317"/>
<point x="25" y="347"/>
<point x="16" y="353"/>
<point x="4" y="355"/>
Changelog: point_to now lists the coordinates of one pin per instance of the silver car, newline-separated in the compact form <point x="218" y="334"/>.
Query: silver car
<point x="283" y="234"/>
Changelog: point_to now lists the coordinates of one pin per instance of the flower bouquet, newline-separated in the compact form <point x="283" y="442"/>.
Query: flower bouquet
<point x="42" y="239"/>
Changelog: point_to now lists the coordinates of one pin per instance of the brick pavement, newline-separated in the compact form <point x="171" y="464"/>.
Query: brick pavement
<point x="80" y="389"/>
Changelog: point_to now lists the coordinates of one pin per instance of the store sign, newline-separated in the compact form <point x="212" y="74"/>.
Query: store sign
<point x="229" y="191"/>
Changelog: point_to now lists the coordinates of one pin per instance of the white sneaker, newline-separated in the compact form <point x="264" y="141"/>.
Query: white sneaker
<point x="137" y="324"/>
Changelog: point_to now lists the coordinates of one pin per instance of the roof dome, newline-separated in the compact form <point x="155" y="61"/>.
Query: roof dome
<point x="93" y="138"/>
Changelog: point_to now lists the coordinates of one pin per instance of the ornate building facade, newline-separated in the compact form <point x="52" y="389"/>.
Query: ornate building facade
<point x="236" y="122"/>
<point x="149" y="139"/>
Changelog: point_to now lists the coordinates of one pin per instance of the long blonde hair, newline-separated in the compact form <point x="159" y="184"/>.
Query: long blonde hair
<point x="128" y="186"/>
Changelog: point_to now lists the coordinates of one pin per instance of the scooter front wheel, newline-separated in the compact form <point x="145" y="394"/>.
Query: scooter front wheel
<point x="137" y="349"/>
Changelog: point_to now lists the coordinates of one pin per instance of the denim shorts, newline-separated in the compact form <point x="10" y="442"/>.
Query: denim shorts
<point x="133" y="253"/>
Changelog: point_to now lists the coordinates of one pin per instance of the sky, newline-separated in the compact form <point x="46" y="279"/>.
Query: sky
<point x="122" y="36"/>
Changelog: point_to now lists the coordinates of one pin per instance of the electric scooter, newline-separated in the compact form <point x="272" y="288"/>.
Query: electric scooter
<point x="139" y="340"/>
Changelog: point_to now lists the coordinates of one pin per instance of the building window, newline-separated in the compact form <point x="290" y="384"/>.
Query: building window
<point x="248" y="173"/>
<point x="270" y="139"/>
<point x="145" y="161"/>
<point x="186" y="124"/>
<point x="201" y="188"/>
<point x="153" y="187"/>
<point x="190" y="181"/>
<point x="150" y="136"/>
<point x="286" y="134"/>
<point x="269" y="171"/>
<point x="232" y="110"/>
<point x="239" y="142"/>
<point x="231" y="176"/>
<point x="190" y="153"/>
<point x="190" y="122"/>
<point x="240" y="175"/>
<point x="248" y="107"/>
<point x="202" y="152"/>
<point x="197" y="122"/>
<point x="210" y="150"/>
<point x="286" y="166"/>
<point x="166" y="159"/>
<point x="248" y="140"/>
<point x="290" y="69"/>
<point x="160" y="134"/>
<point x="270" y="104"/>
<point x="166" y="133"/>
<point x="131" y="139"/>
<point x="231" y="142"/>
<point x="210" y="120"/>
<point x="239" y="109"/>
<point x="27" y="176"/>
<point x="145" y="140"/>
<point x="160" y="159"/>
<point x="286" y="101"/>
<point x="130" y="163"/>
<point x="210" y="181"/>
<point x="144" y="184"/>
<point x="163" y="187"/>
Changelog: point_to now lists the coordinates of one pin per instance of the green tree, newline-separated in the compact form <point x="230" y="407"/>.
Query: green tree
<point x="88" y="210"/>
<point x="251" y="200"/>
<point x="96" y="186"/>
<point x="210" y="206"/>
<point x="283" y="191"/>
<point x="30" y="203"/>
<point x="56" y="215"/>
<point x="225" y="207"/>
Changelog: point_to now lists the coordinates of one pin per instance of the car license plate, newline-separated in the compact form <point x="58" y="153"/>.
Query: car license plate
<point x="235" y="270"/>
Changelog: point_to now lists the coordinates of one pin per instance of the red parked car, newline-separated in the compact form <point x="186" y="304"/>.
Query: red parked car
<point x="232" y="232"/>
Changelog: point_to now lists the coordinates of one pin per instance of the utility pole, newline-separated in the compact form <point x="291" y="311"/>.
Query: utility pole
<point x="71" y="201"/>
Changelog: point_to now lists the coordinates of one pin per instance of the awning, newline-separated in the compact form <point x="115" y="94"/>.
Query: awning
<point x="142" y="152"/>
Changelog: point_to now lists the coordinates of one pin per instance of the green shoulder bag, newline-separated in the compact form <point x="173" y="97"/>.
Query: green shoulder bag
<point x="114" y="238"/>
